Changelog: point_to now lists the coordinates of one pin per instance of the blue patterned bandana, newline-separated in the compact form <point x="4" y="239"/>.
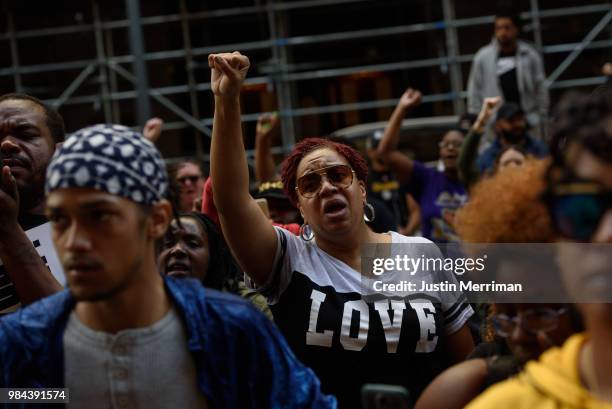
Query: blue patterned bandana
<point x="111" y="158"/>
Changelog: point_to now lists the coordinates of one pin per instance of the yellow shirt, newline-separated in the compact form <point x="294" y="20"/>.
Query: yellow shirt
<point x="552" y="382"/>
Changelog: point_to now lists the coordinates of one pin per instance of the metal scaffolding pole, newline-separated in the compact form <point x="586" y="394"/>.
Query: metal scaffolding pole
<point x="257" y="45"/>
<point x="103" y="77"/>
<point x="112" y="77"/>
<point x="283" y="93"/>
<point x="14" y="54"/>
<point x="179" y="89"/>
<point x="163" y="100"/>
<point x="452" y="45"/>
<point x="280" y="44"/>
<point x="537" y="26"/>
<point x="574" y="54"/>
<point x="143" y="105"/>
<point x="191" y="82"/>
<point x="74" y="85"/>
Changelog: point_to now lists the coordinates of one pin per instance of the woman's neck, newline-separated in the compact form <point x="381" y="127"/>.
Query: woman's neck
<point x="348" y="247"/>
<point x="596" y="364"/>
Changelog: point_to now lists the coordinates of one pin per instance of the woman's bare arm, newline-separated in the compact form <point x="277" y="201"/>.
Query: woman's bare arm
<point x="249" y="234"/>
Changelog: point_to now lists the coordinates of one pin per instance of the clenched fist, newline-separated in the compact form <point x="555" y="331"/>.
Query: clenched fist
<point x="228" y="71"/>
<point x="267" y="125"/>
<point x="152" y="129"/>
<point x="488" y="106"/>
<point x="410" y="98"/>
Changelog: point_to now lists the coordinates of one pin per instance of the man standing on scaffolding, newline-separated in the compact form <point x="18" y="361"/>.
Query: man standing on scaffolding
<point x="512" y="69"/>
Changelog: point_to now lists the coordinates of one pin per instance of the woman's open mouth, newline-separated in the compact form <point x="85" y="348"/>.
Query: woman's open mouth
<point x="178" y="269"/>
<point x="335" y="208"/>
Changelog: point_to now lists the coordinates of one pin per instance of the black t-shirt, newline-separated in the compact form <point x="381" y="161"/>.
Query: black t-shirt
<point x="8" y="294"/>
<point x="349" y="337"/>
<point x="385" y="187"/>
<point x="506" y="71"/>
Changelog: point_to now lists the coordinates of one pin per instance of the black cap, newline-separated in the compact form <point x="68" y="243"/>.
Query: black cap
<point x="509" y="110"/>
<point x="271" y="190"/>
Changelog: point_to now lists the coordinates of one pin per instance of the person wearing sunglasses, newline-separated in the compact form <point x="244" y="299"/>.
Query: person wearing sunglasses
<point x="439" y="193"/>
<point x="578" y="185"/>
<point x="187" y="176"/>
<point x="313" y="281"/>
<point x="505" y="208"/>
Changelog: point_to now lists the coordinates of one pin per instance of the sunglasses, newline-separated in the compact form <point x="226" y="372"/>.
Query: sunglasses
<point x="577" y="207"/>
<point x="308" y="185"/>
<point x="184" y="179"/>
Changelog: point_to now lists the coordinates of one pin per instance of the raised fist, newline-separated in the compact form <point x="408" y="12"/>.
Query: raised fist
<point x="267" y="125"/>
<point x="410" y="98"/>
<point x="152" y="129"/>
<point x="488" y="106"/>
<point x="228" y="71"/>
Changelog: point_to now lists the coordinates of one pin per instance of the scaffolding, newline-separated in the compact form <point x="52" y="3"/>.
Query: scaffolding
<point x="282" y="73"/>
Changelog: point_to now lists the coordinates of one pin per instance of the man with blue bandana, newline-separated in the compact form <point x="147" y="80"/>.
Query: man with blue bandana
<point x="123" y="336"/>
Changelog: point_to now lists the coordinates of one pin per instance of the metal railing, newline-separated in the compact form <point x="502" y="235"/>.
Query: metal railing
<point x="284" y="74"/>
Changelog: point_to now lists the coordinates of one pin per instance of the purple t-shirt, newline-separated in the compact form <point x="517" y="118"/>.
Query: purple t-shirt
<point x="439" y="199"/>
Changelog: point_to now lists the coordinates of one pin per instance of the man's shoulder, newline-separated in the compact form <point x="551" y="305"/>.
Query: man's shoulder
<point x="536" y="146"/>
<point x="38" y="313"/>
<point x="220" y="299"/>
<point x="217" y="307"/>
<point x="31" y="326"/>
<point x="232" y="310"/>
<point x="527" y="47"/>
<point x="485" y="50"/>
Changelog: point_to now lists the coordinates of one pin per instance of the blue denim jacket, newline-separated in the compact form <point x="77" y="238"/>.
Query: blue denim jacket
<point x="242" y="360"/>
<point x="532" y="146"/>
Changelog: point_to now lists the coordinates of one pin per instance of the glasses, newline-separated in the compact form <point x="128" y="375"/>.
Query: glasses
<point x="577" y="207"/>
<point x="451" y="144"/>
<point x="532" y="321"/>
<point x="193" y="179"/>
<point x="341" y="176"/>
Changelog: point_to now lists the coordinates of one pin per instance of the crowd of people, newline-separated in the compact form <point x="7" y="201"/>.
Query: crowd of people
<point x="136" y="284"/>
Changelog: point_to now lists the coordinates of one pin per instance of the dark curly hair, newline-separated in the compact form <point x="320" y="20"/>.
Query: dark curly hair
<point x="291" y="162"/>
<point x="584" y="119"/>
<point x="223" y="273"/>
<point x="223" y="270"/>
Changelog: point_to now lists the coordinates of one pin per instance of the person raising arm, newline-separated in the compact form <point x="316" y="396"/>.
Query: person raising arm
<point x="387" y="149"/>
<point x="242" y="220"/>
<point x="314" y="283"/>
<point x="439" y="193"/>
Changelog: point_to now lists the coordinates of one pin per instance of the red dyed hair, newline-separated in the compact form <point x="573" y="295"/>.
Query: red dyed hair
<point x="291" y="162"/>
